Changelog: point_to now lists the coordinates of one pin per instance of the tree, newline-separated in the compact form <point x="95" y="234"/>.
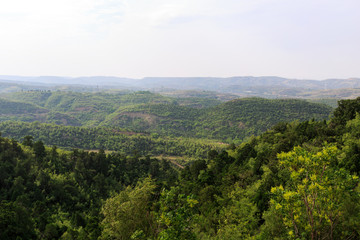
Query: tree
<point x="175" y="216"/>
<point x="39" y="149"/>
<point x="346" y="111"/>
<point x="28" y="141"/>
<point x="238" y="219"/>
<point x="127" y="213"/>
<point x="15" y="222"/>
<point x="319" y="199"/>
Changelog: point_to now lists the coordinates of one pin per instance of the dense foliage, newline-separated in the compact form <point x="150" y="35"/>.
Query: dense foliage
<point x="298" y="180"/>
<point x="252" y="116"/>
<point x="152" y="113"/>
<point x="47" y="194"/>
<point x="113" y="139"/>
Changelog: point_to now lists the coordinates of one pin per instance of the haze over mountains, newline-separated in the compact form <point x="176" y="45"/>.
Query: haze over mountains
<point x="268" y="86"/>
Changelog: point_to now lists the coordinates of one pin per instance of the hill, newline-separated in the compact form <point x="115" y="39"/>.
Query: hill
<point x="298" y="180"/>
<point x="21" y="111"/>
<point x="177" y="117"/>
<point x="89" y="109"/>
<point x="111" y="139"/>
<point x="241" y="118"/>
<point x="246" y="86"/>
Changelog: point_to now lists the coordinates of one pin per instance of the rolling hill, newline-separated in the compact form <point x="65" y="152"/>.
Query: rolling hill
<point x="153" y="113"/>
<point x="242" y="86"/>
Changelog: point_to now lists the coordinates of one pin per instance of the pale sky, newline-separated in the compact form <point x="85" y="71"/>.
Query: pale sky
<point x="303" y="39"/>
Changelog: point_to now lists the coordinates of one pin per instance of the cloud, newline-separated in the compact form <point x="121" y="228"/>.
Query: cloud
<point x="69" y="17"/>
<point x="178" y="37"/>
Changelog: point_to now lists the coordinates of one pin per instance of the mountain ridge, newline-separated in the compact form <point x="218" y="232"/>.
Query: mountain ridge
<point x="247" y="86"/>
<point x="153" y="81"/>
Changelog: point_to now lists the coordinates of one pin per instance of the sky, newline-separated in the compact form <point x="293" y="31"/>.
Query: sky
<point x="302" y="39"/>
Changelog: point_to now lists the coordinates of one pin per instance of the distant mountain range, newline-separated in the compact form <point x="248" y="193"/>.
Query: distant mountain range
<point x="270" y="87"/>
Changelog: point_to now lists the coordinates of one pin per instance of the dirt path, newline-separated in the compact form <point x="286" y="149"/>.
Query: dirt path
<point x="176" y="164"/>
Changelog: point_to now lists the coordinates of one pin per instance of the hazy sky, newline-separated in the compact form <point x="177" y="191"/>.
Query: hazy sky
<point x="313" y="39"/>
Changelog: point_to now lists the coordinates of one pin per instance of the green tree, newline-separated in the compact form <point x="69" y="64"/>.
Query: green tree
<point x="238" y="219"/>
<point x="346" y="111"/>
<point x="317" y="201"/>
<point x="176" y="214"/>
<point x="28" y="141"/>
<point x="128" y="213"/>
<point x="15" y="222"/>
<point x="39" y="149"/>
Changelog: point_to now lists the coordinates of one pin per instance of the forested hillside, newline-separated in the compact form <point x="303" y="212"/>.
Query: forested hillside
<point x="252" y="116"/>
<point x="147" y="112"/>
<point x="23" y="111"/>
<point x="112" y="139"/>
<point x="298" y="180"/>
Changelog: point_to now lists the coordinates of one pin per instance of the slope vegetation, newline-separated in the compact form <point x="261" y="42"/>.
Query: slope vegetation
<point x="298" y="180"/>
<point x="166" y="116"/>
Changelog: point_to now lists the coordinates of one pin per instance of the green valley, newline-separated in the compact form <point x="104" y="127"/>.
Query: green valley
<point x="145" y="112"/>
<point x="179" y="120"/>
<point x="297" y="180"/>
